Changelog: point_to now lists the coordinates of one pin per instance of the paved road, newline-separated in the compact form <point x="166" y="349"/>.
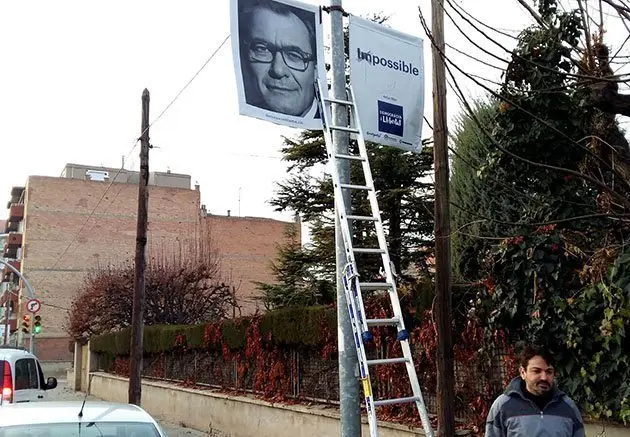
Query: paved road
<point x="63" y="393"/>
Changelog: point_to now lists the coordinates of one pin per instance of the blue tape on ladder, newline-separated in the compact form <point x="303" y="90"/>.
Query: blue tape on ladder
<point x="367" y="336"/>
<point x="359" y="315"/>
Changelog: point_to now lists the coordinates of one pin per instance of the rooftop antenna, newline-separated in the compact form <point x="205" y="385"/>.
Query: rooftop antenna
<point x="239" y="201"/>
<point x="123" y="162"/>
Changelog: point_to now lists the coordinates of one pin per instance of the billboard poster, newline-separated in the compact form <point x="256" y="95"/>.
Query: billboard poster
<point x="387" y="78"/>
<point x="278" y="53"/>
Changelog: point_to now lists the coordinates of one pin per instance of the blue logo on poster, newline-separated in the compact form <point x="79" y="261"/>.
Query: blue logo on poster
<point x="390" y="118"/>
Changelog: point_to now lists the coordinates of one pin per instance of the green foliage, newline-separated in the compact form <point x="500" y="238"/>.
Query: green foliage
<point x="535" y="293"/>
<point x="297" y="283"/>
<point x="298" y="326"/>
<point x="546" y="247"/>
<point x="113" y="343"/>
<point x="598" y="344"/>
<point x="469" y="192"/>
<point x="290" y="326"/>
<point x="157" y="338"/>
<point x="233" y="333"/>
<point x="405" y="199"/>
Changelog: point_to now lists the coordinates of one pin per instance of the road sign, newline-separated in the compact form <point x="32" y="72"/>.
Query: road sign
<point x="33" y="306"/>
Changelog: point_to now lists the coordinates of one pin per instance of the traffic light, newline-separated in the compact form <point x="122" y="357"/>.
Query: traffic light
<point x="37" y="326"/>
<point x="26" y="323"/>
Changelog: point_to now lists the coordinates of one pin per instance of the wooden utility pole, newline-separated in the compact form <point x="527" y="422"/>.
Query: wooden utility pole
<point x="442" y="227"/>
<point x="137" y="317"/>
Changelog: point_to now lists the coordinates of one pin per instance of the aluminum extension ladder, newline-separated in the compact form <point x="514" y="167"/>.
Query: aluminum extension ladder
<point x="352" y="285"/>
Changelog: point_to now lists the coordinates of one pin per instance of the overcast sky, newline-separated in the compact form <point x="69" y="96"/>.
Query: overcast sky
<point x="72" y="73"/>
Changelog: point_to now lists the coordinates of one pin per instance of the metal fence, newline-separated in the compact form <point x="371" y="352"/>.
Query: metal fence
<point x="303" y="373"/>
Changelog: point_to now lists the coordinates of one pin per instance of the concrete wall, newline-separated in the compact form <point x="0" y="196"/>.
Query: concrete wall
<point x="232" y="416"/>
<point x="58" y="369"/>
<point x="227" y="415"/>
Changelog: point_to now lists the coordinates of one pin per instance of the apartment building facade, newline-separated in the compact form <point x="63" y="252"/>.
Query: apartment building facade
<point x="59" y="228"/>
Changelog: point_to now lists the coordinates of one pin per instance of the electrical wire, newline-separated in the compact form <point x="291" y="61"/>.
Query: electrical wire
<point x="615" y="79"/>
<point x="515" y="105"/>
<point x="76" y="235"/>
<point x="496" y="144"/>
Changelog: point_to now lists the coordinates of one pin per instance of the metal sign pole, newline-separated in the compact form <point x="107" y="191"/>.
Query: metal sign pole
<point x="349" y="401"/>
<point x="31" y="295"/>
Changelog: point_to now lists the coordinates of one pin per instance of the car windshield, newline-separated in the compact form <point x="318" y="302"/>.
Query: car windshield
<point x="84" y="429"/>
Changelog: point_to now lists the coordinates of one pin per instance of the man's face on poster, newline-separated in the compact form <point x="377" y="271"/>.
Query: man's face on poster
<point x="282" y="61"/>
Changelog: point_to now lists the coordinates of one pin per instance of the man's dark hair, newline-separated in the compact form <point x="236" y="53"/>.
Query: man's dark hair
<point x="246" y="9"/>
<point x="531" y="351"/>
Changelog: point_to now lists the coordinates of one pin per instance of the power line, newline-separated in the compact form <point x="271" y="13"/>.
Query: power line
<point x="55" y="306"/>
<point x="133" y="148"/>
<point x="496" y="144"/>
<point x="189" y="82"/>
<point x="512" y="103"/>
<point x="616" y="79"/>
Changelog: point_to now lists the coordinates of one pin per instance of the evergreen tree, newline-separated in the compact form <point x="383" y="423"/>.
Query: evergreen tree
<point x="404" y="193"/>
<point x="297" y="284"/>
<point x="469" y="192"/>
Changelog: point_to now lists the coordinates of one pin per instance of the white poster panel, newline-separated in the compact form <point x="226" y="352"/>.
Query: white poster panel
<point x="278" y="52"/>
<point x="387" y="77"/>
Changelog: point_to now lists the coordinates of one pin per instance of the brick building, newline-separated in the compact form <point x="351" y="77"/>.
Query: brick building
<point x="247" y="245"/>
<point x="60" y="227"/>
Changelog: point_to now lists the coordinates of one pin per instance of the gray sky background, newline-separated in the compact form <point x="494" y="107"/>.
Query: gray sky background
<point x="73" y="72"/>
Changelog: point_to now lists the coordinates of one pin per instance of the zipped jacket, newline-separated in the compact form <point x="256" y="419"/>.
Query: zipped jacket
<point x="514" y="415"/>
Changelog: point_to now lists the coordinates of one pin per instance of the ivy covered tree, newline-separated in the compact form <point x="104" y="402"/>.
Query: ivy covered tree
<point x="548" y="249"/>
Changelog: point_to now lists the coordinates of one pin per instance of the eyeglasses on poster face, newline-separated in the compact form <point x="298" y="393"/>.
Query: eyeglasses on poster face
<point x="293" y="57"/>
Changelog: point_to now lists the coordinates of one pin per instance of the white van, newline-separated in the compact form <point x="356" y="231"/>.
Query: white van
<point x="22" y="377"/>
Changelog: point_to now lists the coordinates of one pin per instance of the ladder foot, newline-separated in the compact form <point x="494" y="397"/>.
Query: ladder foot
<point x="367" y="337"/>
<point x="403" y="335"/>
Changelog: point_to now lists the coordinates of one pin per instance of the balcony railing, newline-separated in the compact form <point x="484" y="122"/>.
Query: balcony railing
<point x="14" y="240"/>
<point x="16" y="212"/>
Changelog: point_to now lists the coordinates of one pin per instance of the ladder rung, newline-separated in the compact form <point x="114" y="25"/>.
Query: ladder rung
<point x="341" y="102"/>
<point x="367" y="286"/>
<point x="367" y="218"/>
<point x="367" y="250"/>
<point x="387" y="361"/>
<point x="350" y="157"/>
<point x="345" y="129"/>
<point x="355" y="187"/>
<point x="396" y="401"/>
<point x="382" y="322"/>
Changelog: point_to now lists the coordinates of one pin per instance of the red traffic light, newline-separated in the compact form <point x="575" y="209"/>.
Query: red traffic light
<point x="26" y="323"/>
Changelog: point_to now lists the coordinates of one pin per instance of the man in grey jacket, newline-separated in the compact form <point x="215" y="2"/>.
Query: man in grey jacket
<point x="532" y="405"/>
